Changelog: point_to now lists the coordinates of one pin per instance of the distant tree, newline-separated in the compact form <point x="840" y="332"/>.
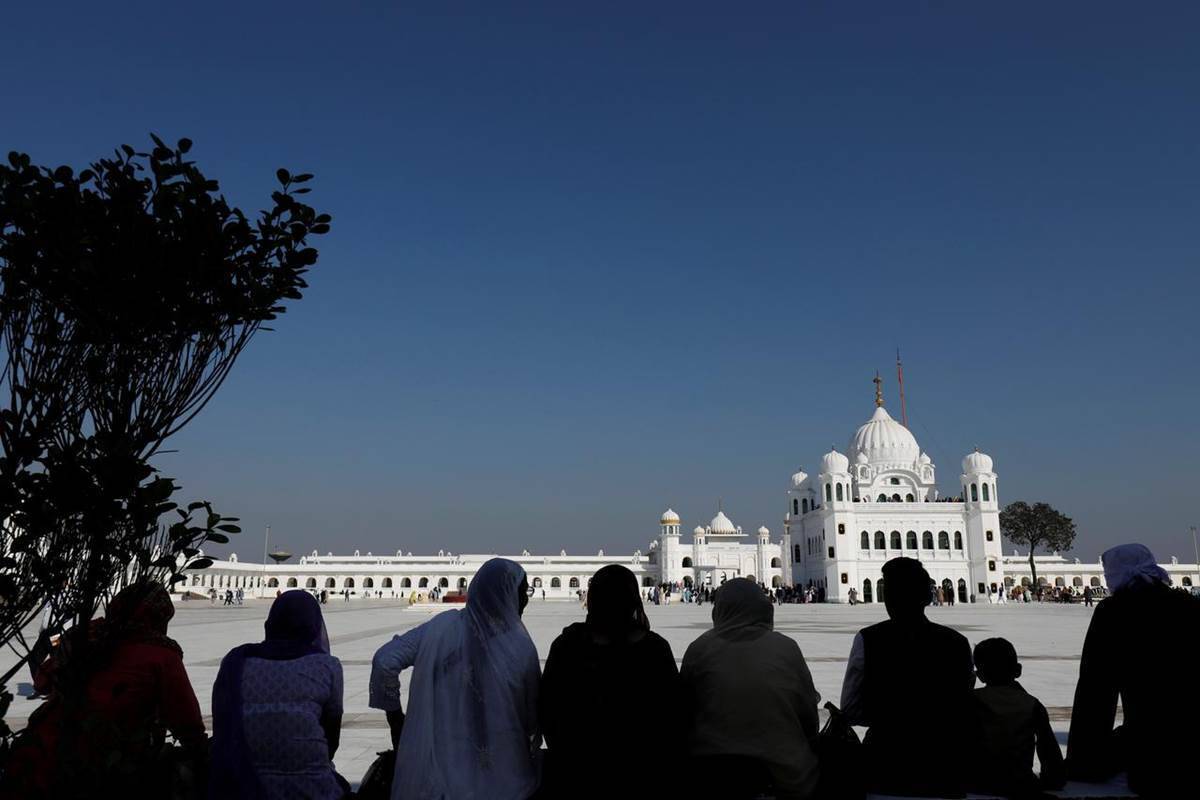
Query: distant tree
<point x="1034" y="526"/>
<point x="127" y="293"/>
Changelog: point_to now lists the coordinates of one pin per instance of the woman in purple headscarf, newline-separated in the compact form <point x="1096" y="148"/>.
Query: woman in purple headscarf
<point x="471" y="731"/>
<point x="277" y="710"/>
<point x="1142" y="646"/>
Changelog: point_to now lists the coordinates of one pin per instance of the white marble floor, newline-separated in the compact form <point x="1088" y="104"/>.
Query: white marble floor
<point x="1047" y="637"/>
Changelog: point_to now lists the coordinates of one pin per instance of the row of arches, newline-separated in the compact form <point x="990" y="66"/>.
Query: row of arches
<point x="987" y="492"/>
<point x="200" y="580"/>
<point x="893" y="541"/>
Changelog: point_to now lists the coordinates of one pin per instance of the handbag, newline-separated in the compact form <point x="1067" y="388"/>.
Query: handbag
<point x="377" y="782"/>
<point x="839" y="752"/>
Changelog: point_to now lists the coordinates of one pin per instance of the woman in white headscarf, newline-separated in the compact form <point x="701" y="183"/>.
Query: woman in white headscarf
<point x="1142" y="646"/>
<point x="471" y="729"/>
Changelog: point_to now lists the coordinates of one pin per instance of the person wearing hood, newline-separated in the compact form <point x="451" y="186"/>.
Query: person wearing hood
<point x="1142" y="647"/>
<point x="749" y="696"/>
<point x="909" y="680"/>
<point x="471" y="732"/>
<point x="597" y="678"/>
<point x="277" y="710"/>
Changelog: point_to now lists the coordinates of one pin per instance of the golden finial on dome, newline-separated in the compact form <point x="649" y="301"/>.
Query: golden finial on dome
<point x="878" y="390"/>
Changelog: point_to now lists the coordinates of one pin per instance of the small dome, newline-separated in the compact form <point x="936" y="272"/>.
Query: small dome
<point x="976" y="462"/>
<point x="884" y="440"/>
<point x="722" y="525"/>
<point x="798" y="479"/>
<point x="861" y="458"/>
<point x="669" y="517"/>
<point x="762" y="531"/>
<point x="698" y="531"/>
<point x="833" y="461"/>
<point x="925" y="459"/>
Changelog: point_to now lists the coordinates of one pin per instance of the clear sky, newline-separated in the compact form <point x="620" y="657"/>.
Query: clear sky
<point x="592" y="260"/>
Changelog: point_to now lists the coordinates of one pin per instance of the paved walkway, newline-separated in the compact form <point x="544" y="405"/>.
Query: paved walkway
<point x="1048" y="638"/>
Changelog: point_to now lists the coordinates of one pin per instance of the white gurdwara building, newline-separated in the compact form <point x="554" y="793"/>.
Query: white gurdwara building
<point x="716" y="553"/>
<point x="878" y="501"/>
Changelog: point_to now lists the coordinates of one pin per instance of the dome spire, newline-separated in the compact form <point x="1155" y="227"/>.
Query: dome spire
<point x="878" y="390"/>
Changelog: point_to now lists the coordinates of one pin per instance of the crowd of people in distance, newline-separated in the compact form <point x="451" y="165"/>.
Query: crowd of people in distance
<point x="741" y="709"/>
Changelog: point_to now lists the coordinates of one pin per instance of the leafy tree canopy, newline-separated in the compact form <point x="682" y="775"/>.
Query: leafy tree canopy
<point x="1037" y="525"/>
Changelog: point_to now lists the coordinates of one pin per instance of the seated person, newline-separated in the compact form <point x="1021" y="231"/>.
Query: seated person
<point x="1009" y="724"/>
<point x="1142" y="647"/>
<point x="750" y="702"/>
<point x="909" y="681"/>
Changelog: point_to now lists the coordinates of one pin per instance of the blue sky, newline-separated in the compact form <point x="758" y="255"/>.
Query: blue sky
<point x="589" y="262"/>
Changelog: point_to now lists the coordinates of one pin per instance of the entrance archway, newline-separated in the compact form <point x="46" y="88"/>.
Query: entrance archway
<point x="867" y="597"/>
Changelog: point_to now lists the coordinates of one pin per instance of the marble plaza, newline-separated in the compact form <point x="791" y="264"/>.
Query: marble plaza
<point x="1049" y="638"/>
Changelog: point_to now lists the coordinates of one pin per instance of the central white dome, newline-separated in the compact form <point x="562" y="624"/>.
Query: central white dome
<point x="722" y="525"/>
<point x="883" y="440"/>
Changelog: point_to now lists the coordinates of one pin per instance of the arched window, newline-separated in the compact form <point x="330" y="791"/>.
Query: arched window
<point x="927" y="540"/>
<point x="444" y="583"/>
<point x="775" y="562"/>
<point x="573" y="583"/>
<point x="804" y="506"/>
<point x="795" y="506"/>
<point x="1187" y="580"/>
<point x="880" y="541"/>
<point x="348" y="583"/>
<point x="986" y="496"/>
<point x="291" y="583"/>
<point x="895" y="537"/>
<point x="687" y="562"/>
<point x="881" y="499"/>
<point x="910" y="540"/>
<point x="1078" y="581"/>
<point x="537" y="583"/>
<point x="894" y="481"/>
<point x="272" y="583"/>
<point x="839" y="491"/>
<point x="406" y="583"/>
<point x="1059" y="582"/>
<point x="879" y="590"/>
<point x="867" y="598"/>
<point x="974" y="493"/>
<point x="387" y="583"/>
<point x="866" y="541"/>
<point x="368" y="583"/>
<point x="311" y="583"/>
<point x="556" y="583"/>
<point x="962" y="590"/>
<point x="776" y="582"/>
<point x="943" y="540"/>
<point x="462" y="584"/>
<point x="423" y="583"/>
<point x="896" y="498"/>
<point x="908" y="498"/>
<point x="330" y="583"/>
<point x="958" y="540"/>
<point x="828" y="492"/>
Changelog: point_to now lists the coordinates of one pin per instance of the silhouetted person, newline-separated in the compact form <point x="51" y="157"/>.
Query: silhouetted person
<point x="750" y="701"/>
<point x="277" y="710"/>
<point x="1009" y="725"/>
<point x="471" y="732"/>
<point x="909" y="681"/>
<point x="111" y="702"/>
<point x="598" y="677"/>
<point x="1141" y="647"/>
<point x="1087" y="596"/>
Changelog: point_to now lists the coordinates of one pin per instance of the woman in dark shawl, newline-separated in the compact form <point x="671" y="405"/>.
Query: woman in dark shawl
<point x="115" y="687"/>
<point x="277" y="710"/>
<point x="749" y="694"/>
<point x="602" y="677"/>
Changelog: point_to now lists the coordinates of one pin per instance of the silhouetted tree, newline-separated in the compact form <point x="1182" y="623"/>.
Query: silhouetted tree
<point x="127" y="293"/>
<point x="1037" y="525"/>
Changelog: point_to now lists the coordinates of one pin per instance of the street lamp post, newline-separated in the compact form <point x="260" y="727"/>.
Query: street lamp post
<point x="266" y="539"/>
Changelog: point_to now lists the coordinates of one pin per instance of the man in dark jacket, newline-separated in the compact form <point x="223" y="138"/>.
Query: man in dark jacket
<point x="909" y="681"/>
<point x="1143" y="646"/>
